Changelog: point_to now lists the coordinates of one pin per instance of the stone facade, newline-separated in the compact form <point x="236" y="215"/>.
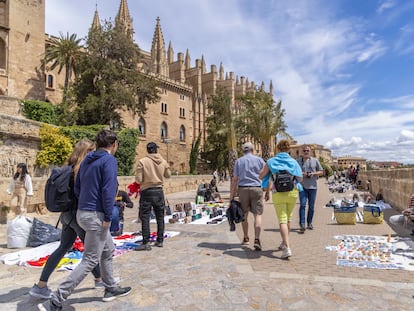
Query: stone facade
<point x="22" y="47"/>
<point x="397" y="185"/>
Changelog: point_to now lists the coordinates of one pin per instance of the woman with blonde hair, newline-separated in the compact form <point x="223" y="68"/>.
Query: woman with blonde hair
<point x="284" y="202"/>
<point x="70" y="229"/>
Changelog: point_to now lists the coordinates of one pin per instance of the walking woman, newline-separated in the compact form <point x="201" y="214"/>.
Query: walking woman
<point x="20" y="187"/>
<point x="70" y="229"/>
<point x="284" y="202"/>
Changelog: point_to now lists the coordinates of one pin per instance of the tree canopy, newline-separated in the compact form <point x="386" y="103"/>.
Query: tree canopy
<point x="109" y="80"/>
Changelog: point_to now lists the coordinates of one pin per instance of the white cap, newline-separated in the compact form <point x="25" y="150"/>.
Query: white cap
<point x="247" y="146"/>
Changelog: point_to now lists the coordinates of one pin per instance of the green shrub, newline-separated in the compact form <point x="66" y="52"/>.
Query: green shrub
<point x="78" y="132"/>
<point x="128" y="142"/>
<point x="40" y="111"/>
<point x="55" y="147"/>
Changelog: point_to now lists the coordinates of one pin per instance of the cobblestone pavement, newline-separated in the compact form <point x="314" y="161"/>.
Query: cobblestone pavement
<point x="205" y="268"/>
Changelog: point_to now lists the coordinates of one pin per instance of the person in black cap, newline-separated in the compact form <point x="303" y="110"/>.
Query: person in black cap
<point x="150" y="173"/>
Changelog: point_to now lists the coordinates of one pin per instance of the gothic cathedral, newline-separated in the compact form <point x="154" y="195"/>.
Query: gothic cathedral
<point x="185" y="88"/>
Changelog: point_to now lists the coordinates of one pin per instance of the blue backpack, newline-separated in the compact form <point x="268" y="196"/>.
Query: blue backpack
<point x="59" y="195"/>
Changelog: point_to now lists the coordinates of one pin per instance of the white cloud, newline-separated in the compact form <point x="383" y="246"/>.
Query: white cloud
<point x="385" y="5"/>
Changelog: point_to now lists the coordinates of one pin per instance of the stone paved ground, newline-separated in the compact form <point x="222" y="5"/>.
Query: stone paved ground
<point x="205" y="268"/>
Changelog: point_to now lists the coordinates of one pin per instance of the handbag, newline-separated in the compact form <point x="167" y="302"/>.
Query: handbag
<point x="373" y="214"/>
<point x="345" y="214"/>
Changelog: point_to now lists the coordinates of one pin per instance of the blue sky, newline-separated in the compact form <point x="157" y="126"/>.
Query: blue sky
<point x="343" y="68"/>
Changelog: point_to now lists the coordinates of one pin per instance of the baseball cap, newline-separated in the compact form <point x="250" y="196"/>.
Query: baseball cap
<point x="152" y="146"/>
<point x="247" y="146"/>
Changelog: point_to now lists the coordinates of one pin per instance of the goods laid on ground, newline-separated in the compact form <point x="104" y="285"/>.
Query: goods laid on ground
<point x="376" y="252"/>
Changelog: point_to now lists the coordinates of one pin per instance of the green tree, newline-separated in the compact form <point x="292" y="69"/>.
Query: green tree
<point x="261" y="119"/>
<point x="110" y="80"/>
<point x="195" y="148"/>
<point x="128" y="142"/>
<point x="64" y="53"/>
<point x="220" y="147"/>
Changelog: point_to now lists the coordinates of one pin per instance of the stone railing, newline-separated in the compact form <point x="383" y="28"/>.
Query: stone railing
<point x="397" y="185"/>
<point x="174" y="184"/>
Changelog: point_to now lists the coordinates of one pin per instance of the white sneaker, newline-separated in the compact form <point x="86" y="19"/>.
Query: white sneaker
<point x="282" y="246"/>
<point x="286" y="253"/>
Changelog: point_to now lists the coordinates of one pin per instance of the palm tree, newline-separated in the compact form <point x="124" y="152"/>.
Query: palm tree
<point x="262" y="120"/>
<point x="64" y="52"/>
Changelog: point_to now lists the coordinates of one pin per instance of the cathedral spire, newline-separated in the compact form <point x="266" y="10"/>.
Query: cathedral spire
<point x="221" y="72"/>
<point x="123" y="19"/>
<point x="203" y="65"/>
<point x="187" y="61"/>
<point x="271" y="88"/>
<point x="170" y="53"/>
<point x="96" y="23"/>
<point x="158" y="56"/>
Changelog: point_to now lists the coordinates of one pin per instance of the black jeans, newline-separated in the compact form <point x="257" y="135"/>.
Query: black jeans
<point x="152" y="198"/>
<point x="70" y="230"/>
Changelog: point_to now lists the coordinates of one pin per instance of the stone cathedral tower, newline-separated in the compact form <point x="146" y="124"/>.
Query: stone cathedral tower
<point x="22" y="48"/>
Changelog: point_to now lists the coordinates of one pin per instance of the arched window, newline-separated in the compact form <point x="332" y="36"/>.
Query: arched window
<point x="2" y="54"/>
<point x="163" y="108"/>
<point x="141" y="126"/>
<point x="49" y="81"/>
<point x="182" y="133"/>
<point x="164" y="130"/>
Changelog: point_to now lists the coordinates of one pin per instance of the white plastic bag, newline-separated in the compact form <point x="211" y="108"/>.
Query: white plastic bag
<point x="18" y="231"/>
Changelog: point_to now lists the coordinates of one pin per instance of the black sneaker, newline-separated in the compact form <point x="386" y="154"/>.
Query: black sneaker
<point x="115" y="293"/>
<point x="52" y="306"/>
<point x="143" y="247"/>
<point x="302" y="228"/>
<point x="257" y="245"/>
<point x="158" y="244"/>
<point x="310" y="227"/>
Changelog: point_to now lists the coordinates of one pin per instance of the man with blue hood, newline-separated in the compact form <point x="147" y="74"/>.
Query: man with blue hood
<point x="95" y="188"/>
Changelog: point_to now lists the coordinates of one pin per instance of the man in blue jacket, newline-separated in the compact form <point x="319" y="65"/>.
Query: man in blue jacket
<point x="95" y="187"/>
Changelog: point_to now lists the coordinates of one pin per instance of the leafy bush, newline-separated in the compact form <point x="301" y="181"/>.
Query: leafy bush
<point x="128" y="142"/>
<point x="78" y="132"/>
<point x="55" y="147"/>
<point x="40" y="111"/>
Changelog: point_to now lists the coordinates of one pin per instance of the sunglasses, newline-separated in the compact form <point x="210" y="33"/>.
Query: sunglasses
<point x="306" y="150"/>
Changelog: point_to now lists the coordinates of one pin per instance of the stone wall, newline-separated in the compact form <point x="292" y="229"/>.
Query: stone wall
<point x="173" y="184"/>
<point x="397" y="185"/>
<point x="19" y="141"/>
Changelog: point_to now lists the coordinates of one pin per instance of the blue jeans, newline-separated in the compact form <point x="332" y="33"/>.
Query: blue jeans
<point x="307" y="195"/>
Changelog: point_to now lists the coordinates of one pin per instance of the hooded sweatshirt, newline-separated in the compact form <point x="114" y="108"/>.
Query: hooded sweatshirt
<point x="151" y="170"/>
<point x="96" y="183"/>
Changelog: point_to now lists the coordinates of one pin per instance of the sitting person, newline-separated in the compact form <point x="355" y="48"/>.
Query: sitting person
<point x="406" y="219"/>
<point x="379" y="196"/>
<point x="214" y="190"/>
<point x="117" y="224"/>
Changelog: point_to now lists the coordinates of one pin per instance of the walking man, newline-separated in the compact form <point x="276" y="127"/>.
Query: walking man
<point x="247" y="185"/>
<point x="311" y="170"/>
<point x="150" y="173"/>
<point x="95" y="187"/>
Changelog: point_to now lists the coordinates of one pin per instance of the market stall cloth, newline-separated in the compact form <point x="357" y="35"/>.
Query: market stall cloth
<point x="37" y="256"/>
<point x="378" y="252"/>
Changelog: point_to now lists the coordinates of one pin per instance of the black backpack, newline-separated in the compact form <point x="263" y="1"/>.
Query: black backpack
<point x="284" y="181"/>
<point x="59" y="195"/>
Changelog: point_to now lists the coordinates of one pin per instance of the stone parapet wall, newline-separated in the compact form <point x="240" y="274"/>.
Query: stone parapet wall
<point x="397" y="185"/>
<point x="10" y="106"/>
<point x="172" y="185"/>
<point x="19" y="141"/>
